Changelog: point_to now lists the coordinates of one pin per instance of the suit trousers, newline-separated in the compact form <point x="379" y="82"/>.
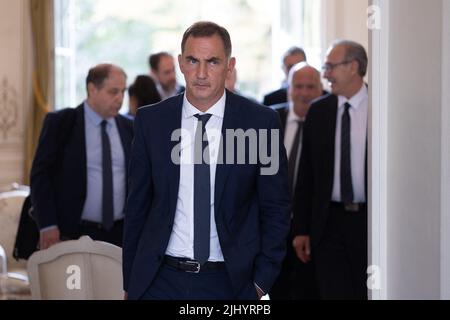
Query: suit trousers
<point x="96" y="232"/>
<point x="296" y="280"/>
<point x="341" y="256"/>
<point x="174" y="284"/>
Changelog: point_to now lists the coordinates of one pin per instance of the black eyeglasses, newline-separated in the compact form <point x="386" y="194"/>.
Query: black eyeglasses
<point x="330" y="66"/>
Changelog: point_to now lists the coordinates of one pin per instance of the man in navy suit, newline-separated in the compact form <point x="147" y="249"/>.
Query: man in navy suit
<point x="78" y="177"/>
<point x="214" y="227"/>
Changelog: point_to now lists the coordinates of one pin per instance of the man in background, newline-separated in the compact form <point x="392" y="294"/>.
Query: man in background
<point x="296" y="280"/>
<point x="78" y="176"/>
<point x="330" y="208"/>
<point x="162" y="69"/>
<point x="292" y="56"/>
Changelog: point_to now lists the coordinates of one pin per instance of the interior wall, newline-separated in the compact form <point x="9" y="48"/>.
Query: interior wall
<point x="346" y="19"/>
<point x="414" y="149"/>
<point x="445" y="162"/>
<point x="15" y="87"/>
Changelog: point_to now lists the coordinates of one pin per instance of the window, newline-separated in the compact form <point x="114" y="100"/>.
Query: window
<point x="297" y="22"/>
<point x="65" y="76"/>
<point x="125" y="32"/>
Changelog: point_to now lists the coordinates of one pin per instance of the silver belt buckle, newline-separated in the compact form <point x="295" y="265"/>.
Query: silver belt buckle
<point x="352" y="207"/>
<point x="193" y="263"/>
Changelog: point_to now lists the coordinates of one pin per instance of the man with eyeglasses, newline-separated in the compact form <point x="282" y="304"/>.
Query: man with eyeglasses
<point x="330" y="211"/>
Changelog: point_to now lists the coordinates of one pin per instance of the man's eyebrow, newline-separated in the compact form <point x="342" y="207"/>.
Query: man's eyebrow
<point x="191" y="58"/>
<point x="213" y="59"/>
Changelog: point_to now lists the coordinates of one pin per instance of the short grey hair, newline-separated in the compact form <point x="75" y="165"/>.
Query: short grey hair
<point x="202" y="29"/>
<point x="299" y="66"/>
<point x="294" y="51"/>
<point x="354" y="51"/>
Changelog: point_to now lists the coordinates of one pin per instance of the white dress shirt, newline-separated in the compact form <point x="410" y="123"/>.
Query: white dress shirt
<point x="289" y="136"/>
<point x="167" y="94"/>
<point x="358" y="142"/>
<point x="181" y="242"/>
<point x="92" y="210"/>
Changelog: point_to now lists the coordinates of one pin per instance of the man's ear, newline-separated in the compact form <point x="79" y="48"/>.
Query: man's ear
<point x="355" y="67"/>
<point x="231" y="64"/>
<point x="180" y="63"/>
<point x="91" y="88"/>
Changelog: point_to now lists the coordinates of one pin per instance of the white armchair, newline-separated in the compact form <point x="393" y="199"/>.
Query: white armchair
<point x="77" y="270"/>
<point x="10" y="208"/>
<point x="14" y="281"/>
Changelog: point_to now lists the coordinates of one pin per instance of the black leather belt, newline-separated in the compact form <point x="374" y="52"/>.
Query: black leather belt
<point x="97" y="225"/>
<point x="192" y="266"/>
<point x="349" y="207"/>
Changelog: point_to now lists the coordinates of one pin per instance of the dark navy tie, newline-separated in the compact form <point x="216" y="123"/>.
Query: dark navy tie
<point x="107" y="190"/>
<point x="346" y="166"/>
<point x="202" y="192"/>
<point x="294" y="155"/>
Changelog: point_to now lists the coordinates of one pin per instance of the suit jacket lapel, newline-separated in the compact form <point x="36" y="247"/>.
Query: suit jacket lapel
<point x="222" y="169"/>
<point x="125" y="137"/>
<point x="174" y="112"/>
<point x="331" y="143"/>
<point x="283" y="117"/>
<point x="80" y="140"/>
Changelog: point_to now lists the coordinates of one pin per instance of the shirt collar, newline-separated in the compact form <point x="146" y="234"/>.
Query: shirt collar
<point x="356" y="100"/>
<point x="167" y="94"/>
<point x="93" y="116"/>
<point x="292" y="116"/>
<point x="218" y="109"/>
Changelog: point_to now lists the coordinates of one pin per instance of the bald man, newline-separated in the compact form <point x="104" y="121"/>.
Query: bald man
<point x="304" y="86"/>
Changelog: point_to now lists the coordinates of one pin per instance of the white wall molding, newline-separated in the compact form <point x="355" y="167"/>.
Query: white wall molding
<point x="445" y="150"/>
<point x="378" y="147"/>
<point x="14" y="92"/>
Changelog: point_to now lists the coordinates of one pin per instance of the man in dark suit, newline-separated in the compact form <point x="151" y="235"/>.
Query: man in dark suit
<point x="330" y="211"/>
<point x="162" y="69"/>
<point x="292" y="56"/>
<point x="296" y="279"/>
<point x="205" y="225"/>
<point x="78" y="177"/>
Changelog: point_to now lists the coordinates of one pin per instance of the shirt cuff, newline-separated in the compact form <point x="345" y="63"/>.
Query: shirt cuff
<point x="260" y="289"/>
<point x="49" y="228"/>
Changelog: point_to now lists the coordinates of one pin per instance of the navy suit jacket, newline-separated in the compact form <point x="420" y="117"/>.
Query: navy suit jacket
<point x="251" y="210"/>
<point x="283" y="110"/>
<point x="59" y="177"/>
<point x="275" y="97"/>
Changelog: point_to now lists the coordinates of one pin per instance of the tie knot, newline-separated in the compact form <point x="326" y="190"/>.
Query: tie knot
<point x="203" y="117"/>
<point x="103" y="124"/>
<point x="347" y="106"/>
